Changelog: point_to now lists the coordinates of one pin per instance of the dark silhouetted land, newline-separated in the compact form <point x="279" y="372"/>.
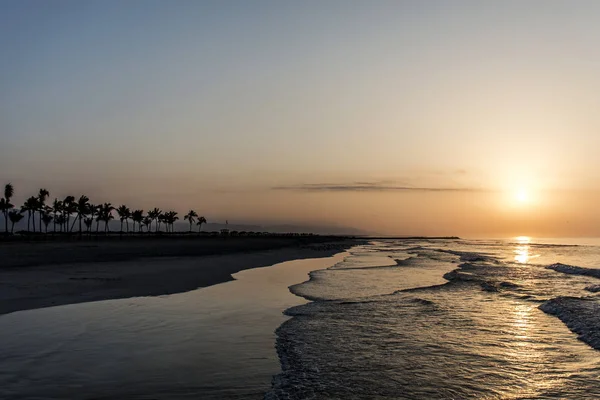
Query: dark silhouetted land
<point x="44" y="274"/>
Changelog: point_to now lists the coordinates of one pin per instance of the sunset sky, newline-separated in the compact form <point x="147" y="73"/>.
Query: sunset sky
<point x="471" y="118"/>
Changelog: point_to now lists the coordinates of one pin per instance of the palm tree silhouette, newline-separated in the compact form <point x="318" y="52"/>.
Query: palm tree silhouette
<point x="46" y="219"/>
<point x="5" y="205"/>
<point x="60" y="219"/>
<point x="69" y="208"/>
<point x="96" y="210"/>
<point x="106" y="214"/>
<point x="60" y="213"/>
<point x="170" y="218"/>
<point x="31" y="206"/>
<point x="42" y="196"/>
<point x="15" y="216"/>
<point x="153" y="215"/>
<point x="191" y="216"/>
<point x="201" y="220"/>
<point x="82" y="208"/>
<point x="160" y="219"/>
<point x="56" y="211"/>
<point x="88" y="224"/>
<point x="147" y="221"/>
<point x="137" y="216"/>
<point x="124" y="215"/>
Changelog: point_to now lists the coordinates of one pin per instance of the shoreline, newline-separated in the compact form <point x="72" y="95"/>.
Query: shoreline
<point x="216" y="343"/>
<point x="119" y="273"/>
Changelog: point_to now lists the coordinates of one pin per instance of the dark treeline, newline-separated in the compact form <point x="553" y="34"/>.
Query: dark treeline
<point x="79" y="215"/>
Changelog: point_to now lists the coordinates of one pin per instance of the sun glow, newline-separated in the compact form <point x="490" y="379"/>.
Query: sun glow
<point x="522" y="196"/>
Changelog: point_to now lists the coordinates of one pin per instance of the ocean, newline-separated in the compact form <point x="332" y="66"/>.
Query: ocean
<point x="447" y="319"/>
<point x="388" y="319"/>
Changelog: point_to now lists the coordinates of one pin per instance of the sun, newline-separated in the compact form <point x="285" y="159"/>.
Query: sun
<point x="522" y="196"/>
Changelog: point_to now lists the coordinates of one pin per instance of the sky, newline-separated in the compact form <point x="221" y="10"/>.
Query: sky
<point x="470" y="118"/>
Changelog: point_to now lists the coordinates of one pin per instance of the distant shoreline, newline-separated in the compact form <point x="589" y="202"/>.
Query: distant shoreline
<point x="46" y="274"/>
<point x="409" y="237"/>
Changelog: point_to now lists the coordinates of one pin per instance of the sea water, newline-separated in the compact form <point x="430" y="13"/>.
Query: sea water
<point x="447" y="319"/>
<point x="390" y="319"/>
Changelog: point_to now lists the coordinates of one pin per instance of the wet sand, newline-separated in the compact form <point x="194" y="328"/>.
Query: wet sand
<point x="214" y="343"/>
<point x="41" y="275"/>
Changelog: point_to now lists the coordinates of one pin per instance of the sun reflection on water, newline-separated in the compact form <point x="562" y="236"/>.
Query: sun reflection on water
<point x="522" y="250"/>
<point x="521" y="322"/>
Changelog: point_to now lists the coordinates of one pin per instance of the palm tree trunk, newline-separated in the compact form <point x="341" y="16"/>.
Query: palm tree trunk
<point x="12" y="227"/>
<point x="74" y="222"/>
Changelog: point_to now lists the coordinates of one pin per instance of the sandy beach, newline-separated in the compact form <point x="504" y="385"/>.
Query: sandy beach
<point x="37" y="275"/>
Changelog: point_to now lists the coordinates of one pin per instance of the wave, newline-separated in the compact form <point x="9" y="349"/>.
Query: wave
<point x="593" y="288"/>
<point x="423" y="302"/>
<point x="407" y="262"/>
<point x="472" y="257"/>
<point x="574" y="270"/>
<point x="581" y="315"/>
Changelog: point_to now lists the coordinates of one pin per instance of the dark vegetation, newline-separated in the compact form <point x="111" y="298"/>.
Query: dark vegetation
<point x="78" y="219"/>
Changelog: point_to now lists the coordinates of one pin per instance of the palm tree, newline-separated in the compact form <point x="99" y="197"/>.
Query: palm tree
<point x="42" y="196"/>
<point x="191" y="216"/>
<point x="15" y="216"/>
<point x="69" y="208"/>
<point x="137" y="216"/>
<point x="9" y="191"/>
<point x="82" y="208"/>
<point x="124" y="215"/>
<point x="31" y="206"/>
<point x="88" y="224"/>
<point x="57" y="209"/>
<point x="153" y="215"/>
<point x="201" y="220"/>
<point x="96" y="210"/>
<point x="169" y="219"/>
<point x="106" y="214"/>
<point x="147" y="221"/>
<point x="61" y="220"/>
<point x="160" y="219"/>
<point x="46" y="219"/>
<point x="5" y="204"/>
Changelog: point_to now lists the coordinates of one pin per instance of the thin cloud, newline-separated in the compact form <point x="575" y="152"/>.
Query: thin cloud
<point x="371" y="187"/>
